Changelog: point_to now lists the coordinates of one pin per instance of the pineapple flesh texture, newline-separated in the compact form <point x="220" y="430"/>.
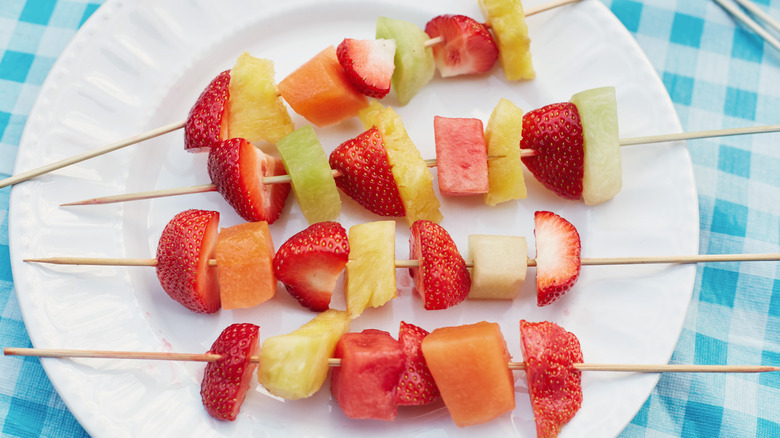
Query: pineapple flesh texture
<point x="370" y="277"/>
<point x="503" y="134"/>
<point x="295" y="365"/>
<point x="507" y="20"/>
<point x="256" y="112"/>
<point x="414" y="180"/>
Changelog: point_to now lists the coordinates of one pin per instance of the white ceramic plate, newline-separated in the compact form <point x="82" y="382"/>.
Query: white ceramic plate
<point x="139" y="65"/>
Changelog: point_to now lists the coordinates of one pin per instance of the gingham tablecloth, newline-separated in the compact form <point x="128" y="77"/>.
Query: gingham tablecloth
<point x="718" y="75"/>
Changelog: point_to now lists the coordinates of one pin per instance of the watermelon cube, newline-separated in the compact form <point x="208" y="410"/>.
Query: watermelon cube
<point x="461" y="156"/>
<point x="364" y="385"/>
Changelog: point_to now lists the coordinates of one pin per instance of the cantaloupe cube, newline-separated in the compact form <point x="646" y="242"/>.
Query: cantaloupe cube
<point x="461" y="156"/>
<point x="469" y="366"/>
<point x="245" y="255"/>
<point x="415" y="182"/>
<point x="500" y="264"/>
<point x="320" y="91"/>
<point x="370" y="278"/>
<point x="365" y="384"/>
<point x="505" y="171"/>
<point x="256" y="112"/>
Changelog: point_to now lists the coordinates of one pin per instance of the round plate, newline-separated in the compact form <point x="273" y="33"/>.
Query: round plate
<point x="139" y="65"/>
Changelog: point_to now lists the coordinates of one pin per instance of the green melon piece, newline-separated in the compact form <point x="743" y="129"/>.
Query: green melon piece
<point x="414" y="64"/>
<point x="603" y="176"/>
<point x="312" y="178"/>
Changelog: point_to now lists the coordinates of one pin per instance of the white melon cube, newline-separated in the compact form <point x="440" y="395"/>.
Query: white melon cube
<point x="500" y="264"/>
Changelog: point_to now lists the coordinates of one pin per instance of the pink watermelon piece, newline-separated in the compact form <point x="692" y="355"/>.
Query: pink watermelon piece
<point x="461" y="156"/>
<point x="364" y="385"/>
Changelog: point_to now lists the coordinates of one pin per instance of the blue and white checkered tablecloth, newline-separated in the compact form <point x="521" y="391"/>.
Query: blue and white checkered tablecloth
<point x="718" y="74"/>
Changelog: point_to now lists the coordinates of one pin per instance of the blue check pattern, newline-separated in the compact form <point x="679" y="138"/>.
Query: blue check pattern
<point x="718" y="74"/>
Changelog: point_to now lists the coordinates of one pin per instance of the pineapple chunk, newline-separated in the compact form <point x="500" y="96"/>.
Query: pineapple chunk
<point x="414" y="180"/>
<point x="256" y="112"/>
<point x="503" y="134"/>
<point x="295" y="365"/>
<point x="500" y="264"/>
<point x="370" y="277"/>
<point x="602" y="178"/>
<point x="507" y="20"/>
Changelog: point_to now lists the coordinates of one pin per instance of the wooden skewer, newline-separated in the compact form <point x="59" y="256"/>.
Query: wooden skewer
<point x="704" y="258"/>
<point x="335" y="362"/>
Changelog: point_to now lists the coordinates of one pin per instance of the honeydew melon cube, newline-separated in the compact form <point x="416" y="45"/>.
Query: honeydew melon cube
<point x="602" y="176"/>
<point x="414" y="63"/>
<point x="312" y="178"/>
<point x="370" y="278"/>
<point x="500" y="264"/>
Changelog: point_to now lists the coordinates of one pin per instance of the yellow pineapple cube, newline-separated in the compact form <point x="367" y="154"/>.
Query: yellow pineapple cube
<point x="256" y="111"/>
<point x="295" y="365"/>
<point x="503" y="134"/>
<point x="411" y="174"/>
<point x="507" y="20"/>
<point x="370" y="279"/>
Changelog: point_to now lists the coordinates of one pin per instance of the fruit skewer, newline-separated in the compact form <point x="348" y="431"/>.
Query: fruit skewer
<point x="285" y="179"/>
<point x="24" y="176"/>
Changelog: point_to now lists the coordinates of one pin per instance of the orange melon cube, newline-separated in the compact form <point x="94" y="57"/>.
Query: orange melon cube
<point x="469" y="366"/>
<point x="245" y="265"/>
<point x="320" y="91"/>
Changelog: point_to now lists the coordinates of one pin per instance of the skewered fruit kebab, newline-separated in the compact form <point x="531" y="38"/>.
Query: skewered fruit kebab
<point x="372" y="373"/>
<point x="310" y="262"/>
<point x="206" y="123"/>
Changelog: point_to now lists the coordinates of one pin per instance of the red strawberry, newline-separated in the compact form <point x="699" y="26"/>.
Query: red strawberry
<point x="555" y="133"/>
<point x="187" y="243"/>
<point x="369" y="64"/>
<point x="365" y="174"/>
<point x="226" y="381"/>
<point x="554" y="384"/>
<point x="237" y="168"/>
<point x="557" y="256"/>
<point x="416" y="385"/>
<point x="309" y="263"/>
<point x="442" y="279"/>
<point x="206" y="123"/>
<point x="466" y="47"/>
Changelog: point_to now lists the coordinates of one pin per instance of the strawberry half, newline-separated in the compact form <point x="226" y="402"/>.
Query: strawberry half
<point x="554" y="384"/>
<point x="558" y="260"/>
<point x="206" y="123"/>
<point x="442" y="279"/>
<point x="467" y="48"/>
<point x="365" y="174"/>
<point x="237" y="168"/>
<point x="554" y="132"/>
<point x="187" y="243"/>
<point x="416" y="385"/>
<point x="309" y="263"/>
<point x="227" y="380"/>
<point x="369" y="64"/>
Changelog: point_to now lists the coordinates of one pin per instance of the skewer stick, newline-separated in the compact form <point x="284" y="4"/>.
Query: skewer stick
<point x="699" y="134"/>
<point x="24" y="176"/>
<point x="415" y="263"/>
<point x="335" y="362"/>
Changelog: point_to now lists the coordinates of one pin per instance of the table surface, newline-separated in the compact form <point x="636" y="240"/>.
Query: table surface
<point x="718" y="74"/>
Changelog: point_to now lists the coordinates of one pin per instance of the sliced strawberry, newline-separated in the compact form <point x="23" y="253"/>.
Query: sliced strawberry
<point x="237" y="168"/>
<point x="554" y="132"/>
<point x="227" y="380"/>
<point x="186" y="245"/>
<point x="206" y="123"/>
<point x="554" y="384"/>
<point x="466" y="48"/>
<point x="442" y="279"/>
<point x="365" y="174"/>
<point x="557" y="256"/>
<point x="310" y="262"/>
<point x="369" y="64"/>
<point x="416" y="385"/>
